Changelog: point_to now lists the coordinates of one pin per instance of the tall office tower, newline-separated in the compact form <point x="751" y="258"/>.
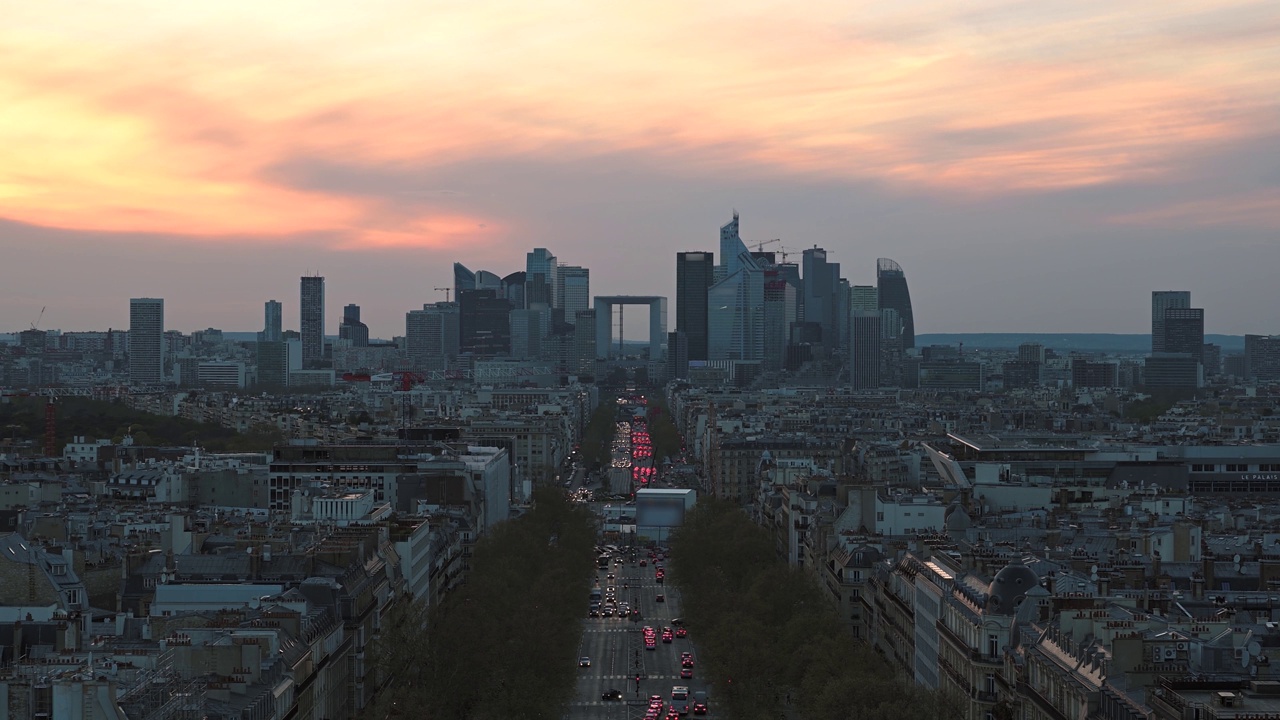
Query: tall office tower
<point x="779" y="316"/>
<point x="841" y="318"/>
<point x="1184" y="331"/>
<point x="486" y="280"/>
<point x="1211" y="358"/>
<point x="484" y="325"/>
<point x="540" y="278"/>
<point x="677" y="355"/>
<point x="273" y="321"/>
<point x="694" y="273"/>
<point x="463" y="279"/>
<point x="734" y="254"/>
<point x="273" y="363"/>
<point x="432" y="335"/>
<point x="146" y="341"/>
<point x="1262" y="358"/>
<point x="1162" y="300"/>
<point x="574" y="291"/>
<point x="891" y="286"/>
<point x="735" y="303"/>
<point x="312" y="322"/>
<point x="865" y="356"/>
<point x="584" y="342"/>
<point x="352" y="329"/>
<point x="1031" y="352"/>
<point x="863" y="297"/>
<point x="735" y="317"/>
<point x="526" y="332"/>
<point x="820" y="279"/>
<point x="513" y="288"/>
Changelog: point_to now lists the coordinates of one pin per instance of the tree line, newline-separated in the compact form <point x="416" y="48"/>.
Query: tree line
<point x="771" y="644"/>
<point x="23" y="419"/>
<point x="504" y="643"/>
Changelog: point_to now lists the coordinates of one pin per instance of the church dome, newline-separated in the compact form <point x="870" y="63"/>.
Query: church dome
<point x="1010" y="588"/>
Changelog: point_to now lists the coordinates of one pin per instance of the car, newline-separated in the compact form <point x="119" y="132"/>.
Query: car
<point x="643" y="563"/>
<point x="699" y="708"/>
<point x="686" y="662"/>
<point x="660" y="598"/>
<point x="679" y="692"/>
<point x="659" y="579"/>
<point x="666" y="638"/>
<point x="681" y="632"/>
<point x="686" y="673"/>
<point x="677" y="621"/>
<point x="584" y="661"/>
<point x="611" y="695"/>
<point x="610" y="576"/>
<point x="593" y="613"/>
<point x="650" y="645"/>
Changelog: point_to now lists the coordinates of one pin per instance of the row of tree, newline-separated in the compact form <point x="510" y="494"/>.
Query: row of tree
<point x="503" y="644"/>
<point x="596" y="447"/>
<point x="666" y="439"/>
<point x="770" y="643"/>
<point x="23" y="419"/>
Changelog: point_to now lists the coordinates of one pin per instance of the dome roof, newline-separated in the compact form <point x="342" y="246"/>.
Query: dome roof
<point x="957" y="518"/>
<point x="1010" y="588"/>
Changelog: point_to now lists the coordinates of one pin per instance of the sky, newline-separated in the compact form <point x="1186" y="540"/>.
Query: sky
<point x="1033" y="166"/>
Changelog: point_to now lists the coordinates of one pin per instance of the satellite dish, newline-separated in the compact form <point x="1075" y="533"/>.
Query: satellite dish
<point x="1254" y="647"/>
<point x="1244" y="659"/>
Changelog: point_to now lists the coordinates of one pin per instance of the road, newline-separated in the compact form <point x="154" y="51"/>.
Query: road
<point x="616" y="649"/>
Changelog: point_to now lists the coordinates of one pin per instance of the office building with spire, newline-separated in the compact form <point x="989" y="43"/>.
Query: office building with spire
<point x="735" y="303"/>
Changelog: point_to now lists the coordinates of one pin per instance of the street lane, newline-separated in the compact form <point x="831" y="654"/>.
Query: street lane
<point x="617" y="653"/>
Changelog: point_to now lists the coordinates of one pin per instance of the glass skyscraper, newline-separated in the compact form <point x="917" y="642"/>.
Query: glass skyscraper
<point x="694" y="275"/>
<point x="891" y="286"/>
<point x="273" y="319"/>
<point x="1162" y="300"/>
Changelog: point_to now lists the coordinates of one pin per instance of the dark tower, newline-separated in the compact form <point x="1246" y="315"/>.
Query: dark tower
<point x="694" y="276"/>
<point x="891" y="287"/>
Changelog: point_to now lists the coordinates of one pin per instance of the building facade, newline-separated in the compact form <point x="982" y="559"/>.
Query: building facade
<point x="146" y="341"/>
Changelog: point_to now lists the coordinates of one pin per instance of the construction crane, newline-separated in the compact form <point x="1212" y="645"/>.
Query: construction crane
<point x="36" y="325"/>
<point x="760" y="245"/>
<point x="446" y="293"/>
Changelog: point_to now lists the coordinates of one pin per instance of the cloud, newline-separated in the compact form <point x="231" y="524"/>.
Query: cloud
<point x="169" y="126"/>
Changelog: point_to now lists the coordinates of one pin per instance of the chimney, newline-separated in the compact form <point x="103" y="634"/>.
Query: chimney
<point x="1197" y="586"/>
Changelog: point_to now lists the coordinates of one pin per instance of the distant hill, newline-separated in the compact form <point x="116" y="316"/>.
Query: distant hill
<point x="1095" y="342"/>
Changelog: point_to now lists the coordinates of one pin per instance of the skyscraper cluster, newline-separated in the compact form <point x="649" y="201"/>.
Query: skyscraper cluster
<point x="753" y="311"/>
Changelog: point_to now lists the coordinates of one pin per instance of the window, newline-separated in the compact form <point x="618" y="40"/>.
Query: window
<point x="1237" y="467"/>
<point x="880" y="517"/>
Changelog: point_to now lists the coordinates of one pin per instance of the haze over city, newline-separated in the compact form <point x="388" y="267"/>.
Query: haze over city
<point x="1033" y="167"/>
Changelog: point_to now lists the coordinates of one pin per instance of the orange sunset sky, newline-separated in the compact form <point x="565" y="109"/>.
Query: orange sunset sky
<point x="1034" y="166"/>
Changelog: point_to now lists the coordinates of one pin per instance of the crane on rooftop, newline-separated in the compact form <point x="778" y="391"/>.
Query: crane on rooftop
<point x="446" y="292"/>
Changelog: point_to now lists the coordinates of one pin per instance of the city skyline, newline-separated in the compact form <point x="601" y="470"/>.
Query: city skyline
<point x="1036" y="168"/>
